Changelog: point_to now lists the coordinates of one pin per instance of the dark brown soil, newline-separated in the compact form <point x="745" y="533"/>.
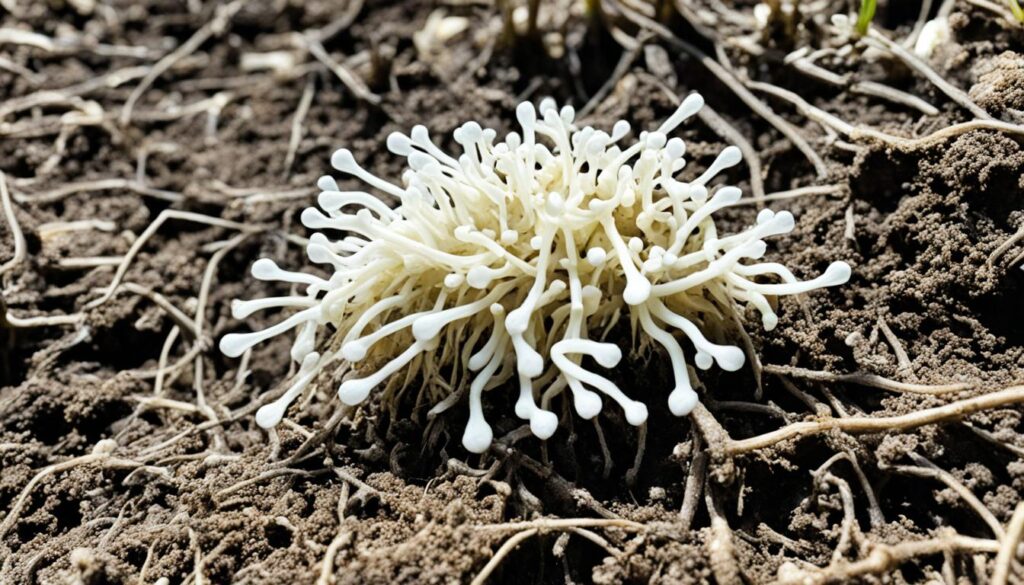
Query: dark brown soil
<point x="104" y="480"/>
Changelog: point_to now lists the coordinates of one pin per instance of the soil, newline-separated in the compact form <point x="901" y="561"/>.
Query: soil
<point x="118" y="466"/>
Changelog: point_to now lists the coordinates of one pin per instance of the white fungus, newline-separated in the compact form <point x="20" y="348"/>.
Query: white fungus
<point x="513" y="260"/>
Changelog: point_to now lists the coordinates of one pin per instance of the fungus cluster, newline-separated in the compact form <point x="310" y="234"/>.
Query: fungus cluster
<point x="512" y="261"/>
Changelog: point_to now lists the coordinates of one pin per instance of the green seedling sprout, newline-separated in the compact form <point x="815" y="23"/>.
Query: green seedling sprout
<point x="1017" y="10"/>
<point x="867" y="14"/>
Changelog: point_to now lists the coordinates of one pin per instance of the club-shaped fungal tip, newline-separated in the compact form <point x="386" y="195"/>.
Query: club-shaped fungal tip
<point x="522" y="252"/>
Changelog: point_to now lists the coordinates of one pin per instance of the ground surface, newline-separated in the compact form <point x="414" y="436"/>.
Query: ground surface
<point x="882" y="436"/>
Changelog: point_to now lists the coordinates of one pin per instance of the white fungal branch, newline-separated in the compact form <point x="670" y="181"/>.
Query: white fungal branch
<point x="523" y="254"/>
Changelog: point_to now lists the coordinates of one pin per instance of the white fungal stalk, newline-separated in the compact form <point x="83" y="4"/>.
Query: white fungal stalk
<point x="515" y="259"/>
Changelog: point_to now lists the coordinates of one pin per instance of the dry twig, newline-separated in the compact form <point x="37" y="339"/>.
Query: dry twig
<point x="1008" y="548"/>
<point x="728" y="77"/>
<point x="871" y="380"/>
<point x="16" y="233"/>
<point x="867" y="424"/>
<point x="217" y="25"/>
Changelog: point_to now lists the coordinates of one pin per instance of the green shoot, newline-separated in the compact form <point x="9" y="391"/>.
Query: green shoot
<point x="867" y="13"/>
<point x="1017" y="10"/>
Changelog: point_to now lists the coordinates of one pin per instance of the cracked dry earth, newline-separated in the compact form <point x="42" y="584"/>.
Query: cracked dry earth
<point x="879" y="438"/>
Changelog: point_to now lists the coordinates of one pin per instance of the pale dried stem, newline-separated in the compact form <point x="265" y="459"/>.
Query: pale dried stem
<point x="1016" y="259"/>
<point x="897" y="347"/>
<point x="199" y="321"/>
<point x="694" y="484"/>
<point x="43" y="321"/>
<point x="143" y="157"/>
<point x="794" y="193"/>
<point x="306" y="433"/>
<point x="211" y="106"/>
<point x="816" y="406"/>
<point x="250" y="195"/>
<point x="318" y="438"/>
<point x="621" y="68"/>
<point x="215" y="27"/>
<point x="753" y="355"/>
<point x="849" y="530"/>
<point x="606" y="453"/>
<point x="922" y="18"/>
<point x="16" y="233"/>
<point x="860" y="133"/>
<point x="197" y="558"/>
<point x="177" y="315"/>
<point x="917" y="64"/>
<point x="720" y="545"/>
<point x="98" y="185"/>
<point x="50" y="229"/>
<point x="46" y="97"/>
<point x="243" y="412"/>
<point x="107" y="460"/>
<point x="641" y="448"/>
<point x="808" y="67"/>
<point x="284" y="195"/>
<point x="157" y="402"/>
<point x="141" y="580"/>
<point x="1008" y="546"/>
<point x="991" y="438"/>
<point x="506" y="548"/>
<point x="171" y="369"/>
<point x="69" y="45"/>
<point x="884" y="558"/>
<point x="870" y="380"/>
<point x="349" y="79"/>
<point x="165" y="352"/>
<point x="202" y="561"/>
<point x="948" y="575"/>
<point x="1005" y="246"/>
<point x="31" y="76"/>
<point x="729" y="79"/>
<point x="341" y="539"/>
<point x="565" y="524"/>
<point x="997" y="9"/>
<point x="150" y="230"/>
<point x="264" y="476"/>
<point x="529" y="529"/>
<point x="863" y="424"/>
<point x="598" y="540"/>
<point x="715" y="436"/>
<point x="342" y="22"/>
<point x="770" y="409"/>
<point x="929" y="470"/>
<point x="300" y="117"/>
<point x="894" y="95"/>
<point x="875" y="515"/>
<point x="219" y="440"/>
<point x="88" y="262"/>
<point x="361" y="486"/>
